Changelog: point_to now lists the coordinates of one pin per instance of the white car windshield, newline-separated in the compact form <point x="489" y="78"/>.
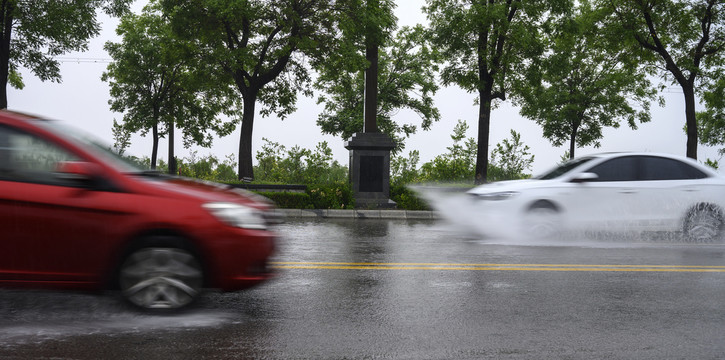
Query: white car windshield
<point x="564" y="168"/>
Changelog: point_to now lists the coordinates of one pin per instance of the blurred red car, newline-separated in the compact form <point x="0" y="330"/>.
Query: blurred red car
<point x="74" y="215"/>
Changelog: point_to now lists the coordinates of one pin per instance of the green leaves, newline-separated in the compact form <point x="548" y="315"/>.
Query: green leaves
<point x="509" y="161"/>
<point x="711" y="121"/>
<point x="406" y="80"/>
<point x="158" y="82"/>
<point x="512" y="157"/>
<point x="33" y="33"/>
<point x="257" y="46"/>
<point x="683" y="40"/>
<point x="586" y="81"/>
<point x="486" y="46"/>
<point x="277" y="164"/>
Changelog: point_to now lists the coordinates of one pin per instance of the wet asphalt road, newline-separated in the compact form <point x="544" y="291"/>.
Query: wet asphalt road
<point x="397" y="289"/>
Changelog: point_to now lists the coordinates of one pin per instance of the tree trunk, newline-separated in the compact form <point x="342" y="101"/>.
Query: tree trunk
<point x="155" y="145"/>
<point x="572" y="141"/>
<point x="172" y="156"/>
<point x="690" y="120"/>
<point x="7" y="21"/>
<point x="484" y="125"/>
<point x="246" y="169"/>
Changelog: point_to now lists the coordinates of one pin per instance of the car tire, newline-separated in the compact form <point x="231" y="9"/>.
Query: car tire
<point x="542" y="221"/>
<point x="160" y="278"/>
<point x="704" y="223"/>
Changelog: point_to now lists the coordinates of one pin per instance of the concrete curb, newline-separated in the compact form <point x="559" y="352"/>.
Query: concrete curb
<point x="359" y="214"/>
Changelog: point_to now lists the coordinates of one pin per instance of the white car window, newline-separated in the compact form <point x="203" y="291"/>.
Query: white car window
<point x="617" y="169"/>
<point x="657" y="168"/>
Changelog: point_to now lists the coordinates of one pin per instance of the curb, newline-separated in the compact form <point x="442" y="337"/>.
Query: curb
<point x="359" y="214"/>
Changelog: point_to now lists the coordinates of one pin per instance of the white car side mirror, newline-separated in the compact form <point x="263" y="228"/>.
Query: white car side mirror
<point x="584" y="177"/>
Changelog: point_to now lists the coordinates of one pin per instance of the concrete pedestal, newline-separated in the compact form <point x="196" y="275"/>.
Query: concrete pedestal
<point x="370" y="170"/>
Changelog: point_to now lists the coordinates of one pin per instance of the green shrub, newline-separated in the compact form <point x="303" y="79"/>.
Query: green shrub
<point x="325" y="196"/>
<point x="276" y="164"/>
<point x="288" y="200"/>
<point x="406" y="198"/>
<point x="331" y="196"/>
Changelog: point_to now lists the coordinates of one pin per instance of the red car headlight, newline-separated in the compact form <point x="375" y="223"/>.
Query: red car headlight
<point x="237" y="215"/>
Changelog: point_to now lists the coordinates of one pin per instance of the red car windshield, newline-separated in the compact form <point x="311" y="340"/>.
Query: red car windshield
<point x="92" y="145"/>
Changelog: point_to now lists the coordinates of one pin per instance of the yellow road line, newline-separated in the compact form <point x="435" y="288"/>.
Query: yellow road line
<point x="493" y="267"/>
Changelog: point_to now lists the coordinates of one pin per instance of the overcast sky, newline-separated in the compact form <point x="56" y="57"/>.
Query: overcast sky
<point x="82" y="100"/>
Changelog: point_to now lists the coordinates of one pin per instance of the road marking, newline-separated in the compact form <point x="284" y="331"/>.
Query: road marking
<point x="493" y="267"/>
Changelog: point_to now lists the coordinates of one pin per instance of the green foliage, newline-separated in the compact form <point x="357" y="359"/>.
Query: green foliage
<point x="564" y="158"/>
<point x="144" y="162"/>
<point x="586" y="81"/>
<point x="331" y="196"/>
<point x="711" y="121"/>
<point x="715" y="164"/>
<point x="276" y="164"/>
<point x="486" y="45"/>
<point x="406" y="198"/>
<point x="683" y="40"/>
<point x="288" y="200"/>
<point x="208" y="168"/>
<point x="404" y="170"/>
<point x="512" y="158"/>
<point x="34" y="33"/>
<point x="257" y="47"/>
<point x="458" y="164"/>
<point x="317" y="196"/>
<point x="157" y="83"/>
<point x="121" y="136"/>
<point x="406" y="79"/>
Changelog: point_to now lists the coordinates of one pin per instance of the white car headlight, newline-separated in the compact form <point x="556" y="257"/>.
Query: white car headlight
<point x="496" y="196"/>
<point x="237" y="215"/>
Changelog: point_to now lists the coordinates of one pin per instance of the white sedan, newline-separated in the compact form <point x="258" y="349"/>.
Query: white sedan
<point x="611" y="192"/>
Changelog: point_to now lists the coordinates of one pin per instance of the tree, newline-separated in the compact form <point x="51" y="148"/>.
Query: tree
<point x="485" y="43"/>
<point x="406" y="80"/>
<point x="405" y="72"/>
<point x="685" y="40"/>
<point x="585" y="81"/>
<point x="121" y="137"/>
<point x="512" y="158"/>
<point x="458" y="164"/>
<point x="157" y="83"/>
<point x="711" y="121"/>
<point x="259" y="47"/>
<point x="34" y="32"/>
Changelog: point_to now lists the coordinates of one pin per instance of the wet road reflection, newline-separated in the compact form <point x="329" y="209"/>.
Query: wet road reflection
<point x="413" y="290"/>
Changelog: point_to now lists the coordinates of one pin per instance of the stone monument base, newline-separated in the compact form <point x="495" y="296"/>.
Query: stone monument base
<point x="370" y="170"/>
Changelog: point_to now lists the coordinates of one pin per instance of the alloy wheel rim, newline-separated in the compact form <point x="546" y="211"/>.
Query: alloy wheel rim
<point x="161" y="278"/>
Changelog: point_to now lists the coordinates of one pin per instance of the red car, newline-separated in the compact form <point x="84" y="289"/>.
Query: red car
<point x="74" y="215"/>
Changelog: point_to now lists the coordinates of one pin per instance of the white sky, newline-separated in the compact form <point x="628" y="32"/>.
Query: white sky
<point x="82" y="100"/>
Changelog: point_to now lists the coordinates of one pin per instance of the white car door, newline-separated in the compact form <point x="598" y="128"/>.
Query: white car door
<point x="669" y="188"/>
<point x="610" y="201"/>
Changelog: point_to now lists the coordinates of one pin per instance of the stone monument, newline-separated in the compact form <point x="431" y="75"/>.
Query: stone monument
<point x="370" y="169"/>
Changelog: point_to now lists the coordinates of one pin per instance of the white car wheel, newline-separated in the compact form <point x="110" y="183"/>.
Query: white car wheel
<point x="704" y="223"/>
<point x="542" y="222"/>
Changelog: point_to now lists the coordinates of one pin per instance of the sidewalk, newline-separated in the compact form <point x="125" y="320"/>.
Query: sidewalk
<point x="359" y="214"/>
